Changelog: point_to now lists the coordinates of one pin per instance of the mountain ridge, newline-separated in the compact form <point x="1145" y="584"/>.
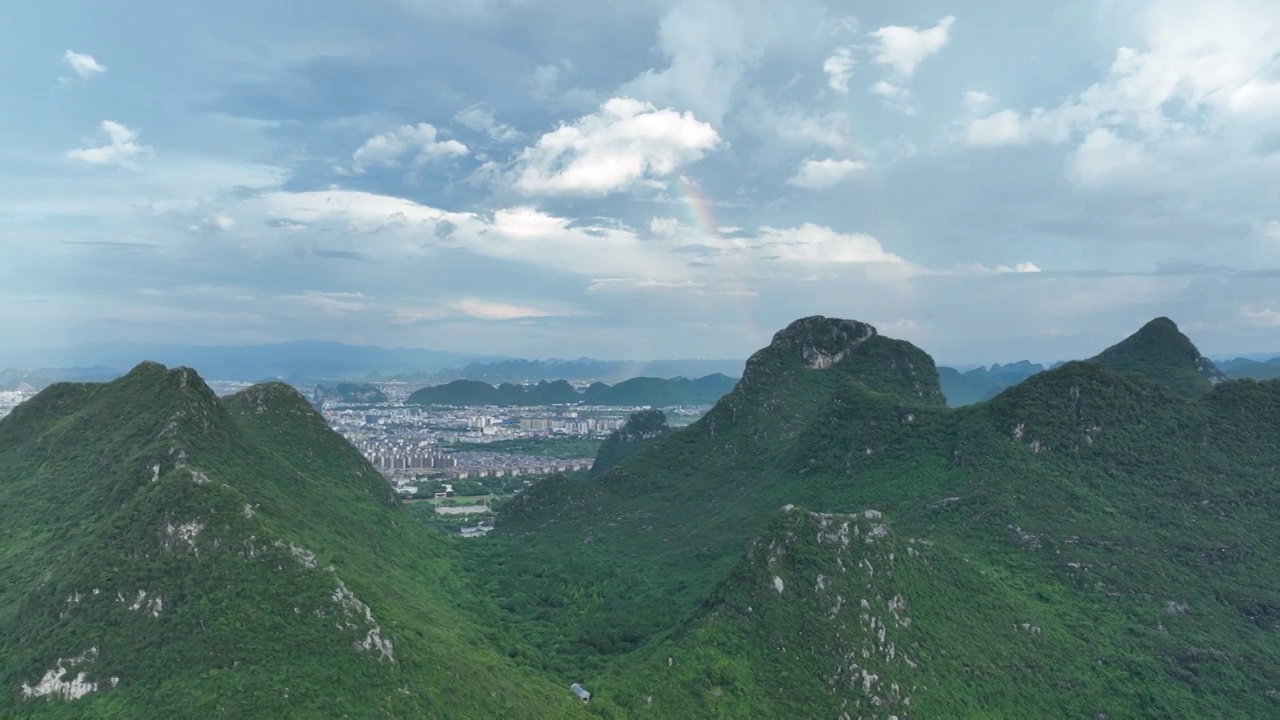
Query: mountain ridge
<point x="166" y="552"/>
<point x="1084" y="496"/>
<point x="657" y="392"/>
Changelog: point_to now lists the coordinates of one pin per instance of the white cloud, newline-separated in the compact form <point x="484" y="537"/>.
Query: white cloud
<point x="626" y="141"/>
<point x="811" y="243"/>
<point x="215" y="222"/>
<point x="544" y="81"/>
<point x="978" y="269"/>
<point x="120" y="149"/>
<point x="329" y="303"/>
<point x="479" y="119"/>
<point x="712" y="46"/>
<point x="976" y="103"/>
<point x="478" y="309"/>
<point x="1257" y="315"/>
<point x="1197" y="70"/>
<point x="895" y="96"/>
<point x="1105" y="158"/>
<point x="796" y="125"/>
<point x="388" y="148"/>
<point x="83" y="64"/>
<point x="489" y="310"/>
<point x="904" y="48"/>
<point x="839" y="68"/>
<point x="1001" y="128"/>
<point x="820" y="174"/>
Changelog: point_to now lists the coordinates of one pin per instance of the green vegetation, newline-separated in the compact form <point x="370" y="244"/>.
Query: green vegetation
<point x="641" y="428"/>
<point x="203" y="558"/>
<point x="656" y="392"/>
<point x="1164" y="355"/>
<point x="1087" y="542"/>
<point x="830" y="539"/>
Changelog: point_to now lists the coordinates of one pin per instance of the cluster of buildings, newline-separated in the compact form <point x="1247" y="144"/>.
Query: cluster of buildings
<point x="570" y="424"/>
<point x="390" y="456"/>
<point x="10" y="399"/>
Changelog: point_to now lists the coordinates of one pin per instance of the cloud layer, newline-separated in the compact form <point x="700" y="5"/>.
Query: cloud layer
<point x="992" y="181"/>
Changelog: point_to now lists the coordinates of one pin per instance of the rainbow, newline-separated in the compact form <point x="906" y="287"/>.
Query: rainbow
<point x="702" y="217"/>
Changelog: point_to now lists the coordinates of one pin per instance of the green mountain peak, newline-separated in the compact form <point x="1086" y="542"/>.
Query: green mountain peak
<point x="1163" y="354"/>
<point x="166" y="553"/>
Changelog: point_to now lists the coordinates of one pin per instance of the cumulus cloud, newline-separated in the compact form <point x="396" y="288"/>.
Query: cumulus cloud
<point x="839" y="68"/>
<point x="625" y="142"/>
<point x="121" y="148"/>
<point x="810" y="243"/>
<point x="479" y="119"/>
<point x="821" y="174"/>
<point x="83" y="64"/>
<point x="895" y="96"/>
<point x="1198" y="86"/>
<point x="712" y="46"/>
<point x="1103" y="158"/>
<point x="904" y="48"/>
<point x="1001" y="128"/>
<point x="387" y="149"/>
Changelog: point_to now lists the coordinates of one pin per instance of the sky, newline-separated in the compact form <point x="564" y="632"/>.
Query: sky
<point x="640" y="178"/>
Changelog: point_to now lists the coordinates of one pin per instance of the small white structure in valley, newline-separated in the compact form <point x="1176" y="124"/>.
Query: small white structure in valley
<point x="581" y="692"/>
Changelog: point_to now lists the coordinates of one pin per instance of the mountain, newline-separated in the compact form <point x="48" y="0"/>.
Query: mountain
<point x="657" y="392"/>
<point x="1090" y="542"/>
<point x="641" y="429"/>
<point x="983" y="383"/>
<point x="1161" y="353"/>
<point x="583" y="370"/>
<point x="660" y="392"/>
<point x="350" y="393"/>
<point x="961" y="389"/>
<point x="1009" y="373"/>
<point x="460" y="393"/>
<point x="1245" y="368"/>
<point x="295" y="362"/>
<point x="166" y="553"/>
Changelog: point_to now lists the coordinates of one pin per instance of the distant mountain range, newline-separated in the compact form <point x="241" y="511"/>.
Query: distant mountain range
<point x="1246" y="368"/>
<point x="655" y="392"/>
<point x="580" y="370"/>
<point x="983" y="383"/>
<point x="293" y="362"/>
<point x="308" y="362"/>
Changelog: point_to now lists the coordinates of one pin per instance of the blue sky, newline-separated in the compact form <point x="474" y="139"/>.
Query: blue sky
<point x="643" y="178"/>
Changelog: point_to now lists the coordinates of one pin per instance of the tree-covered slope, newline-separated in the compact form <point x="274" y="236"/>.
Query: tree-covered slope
<point x="660" y="392"/>
<point x="1110" y="545"/>
<point x="167" y="554"/>
<point x="1161" y="353"/>
<point x="641" y="429"/>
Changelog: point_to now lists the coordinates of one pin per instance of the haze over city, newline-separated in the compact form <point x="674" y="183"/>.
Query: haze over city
<point x="640" y="180"/>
